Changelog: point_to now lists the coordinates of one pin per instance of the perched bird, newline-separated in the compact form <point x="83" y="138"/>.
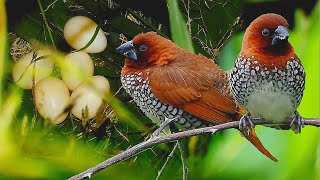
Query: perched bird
<point x="166" y="81"/>
<point x="268" y="78"/>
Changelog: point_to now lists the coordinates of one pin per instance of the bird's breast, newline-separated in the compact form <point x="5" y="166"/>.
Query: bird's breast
<point x="138" y="88"/>
<point x="273" y="94"/>
<point x="270" y="103"/>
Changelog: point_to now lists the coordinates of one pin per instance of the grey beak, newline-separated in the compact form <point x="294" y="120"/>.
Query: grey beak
<point x="127" y="49"/>
<point x="280" y="34"/>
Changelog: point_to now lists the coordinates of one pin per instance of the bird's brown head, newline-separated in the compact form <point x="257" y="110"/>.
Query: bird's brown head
<point x="147" y="50"/>
<point x="266" y="38"/>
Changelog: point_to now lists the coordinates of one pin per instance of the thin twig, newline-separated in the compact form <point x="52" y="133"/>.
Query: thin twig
<point x="163" y="125"/>
<point x="167" y="160"/>
<point x="183" y="161"/>
<point x="47" y="24"/>
<point x="172" y="137"/>
<point x="50" y="5"/>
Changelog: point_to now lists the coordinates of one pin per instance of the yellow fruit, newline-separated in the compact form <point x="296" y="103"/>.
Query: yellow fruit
<point x="79" y="30"/>
<point x="52" y="99"/>
<point x="79" y="67"/>
<point x="28" y="68"/>
<point x="88" y="97"/>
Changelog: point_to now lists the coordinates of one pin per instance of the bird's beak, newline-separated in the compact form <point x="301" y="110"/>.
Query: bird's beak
<point x="127" y="49"/>
<point x="280" y="34"/>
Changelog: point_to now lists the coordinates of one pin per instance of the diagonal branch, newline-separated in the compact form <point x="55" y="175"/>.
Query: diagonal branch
<point x="167" y="160"/>
<point x="172" y="137"/>
<point x="183" y="161"/>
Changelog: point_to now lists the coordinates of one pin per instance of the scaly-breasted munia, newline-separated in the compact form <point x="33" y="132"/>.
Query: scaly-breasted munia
<point x="166" y="81"/>
<point x="268" y="78"/>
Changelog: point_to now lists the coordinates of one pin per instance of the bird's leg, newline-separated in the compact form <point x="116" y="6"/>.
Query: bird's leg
<point x="243" y="124"/>
<point x="163" y="125"/>
<point x="297" y="122"/>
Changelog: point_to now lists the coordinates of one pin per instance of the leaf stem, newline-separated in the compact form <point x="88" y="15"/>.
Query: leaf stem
<point x="46" y="23"/>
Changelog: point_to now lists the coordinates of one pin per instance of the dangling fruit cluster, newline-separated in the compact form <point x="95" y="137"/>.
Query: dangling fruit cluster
<point x="78" y="89"/>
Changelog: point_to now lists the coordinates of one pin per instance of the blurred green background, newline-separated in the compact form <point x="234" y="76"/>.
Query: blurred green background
<point x="33" y="149"/>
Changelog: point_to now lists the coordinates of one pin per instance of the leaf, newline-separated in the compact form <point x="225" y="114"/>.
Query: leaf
<point x="305" y="39"/>
<point x="3" y="41"/>
<point x="178" y="29"/>
<point x="7" y="114"/>
<point x="211" y="23"/>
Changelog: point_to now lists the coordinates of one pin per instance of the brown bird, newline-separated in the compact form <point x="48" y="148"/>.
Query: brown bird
<point x="167" y="81"/>
<point x="268" y="78"/>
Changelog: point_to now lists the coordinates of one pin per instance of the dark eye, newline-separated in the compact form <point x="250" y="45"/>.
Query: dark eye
<point x="143" y="47"/>
<point x="265" y="32"/>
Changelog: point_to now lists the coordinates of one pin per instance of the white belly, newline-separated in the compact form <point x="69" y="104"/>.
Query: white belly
<point x="271" y="104"/>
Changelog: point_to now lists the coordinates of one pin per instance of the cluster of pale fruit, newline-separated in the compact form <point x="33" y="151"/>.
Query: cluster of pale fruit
<point x="52" y="95"/>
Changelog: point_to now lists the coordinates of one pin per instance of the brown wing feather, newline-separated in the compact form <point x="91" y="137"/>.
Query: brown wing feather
<point x="195" y="84"/>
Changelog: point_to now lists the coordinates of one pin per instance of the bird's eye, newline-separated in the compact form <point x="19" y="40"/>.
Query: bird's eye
<point x="265" y="32"/>
<point x="143" y="47"/>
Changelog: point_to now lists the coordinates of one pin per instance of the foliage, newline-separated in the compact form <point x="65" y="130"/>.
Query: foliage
<point x="31" y="148"/>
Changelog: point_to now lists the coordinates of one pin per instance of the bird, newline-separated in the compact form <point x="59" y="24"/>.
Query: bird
<point x="166" y="81"/>
<point x="268" y="78"/>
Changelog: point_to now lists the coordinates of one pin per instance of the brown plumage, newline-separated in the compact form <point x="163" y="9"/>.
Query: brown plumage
<point x="257" y="45"/>
<point x="167" y="81"/>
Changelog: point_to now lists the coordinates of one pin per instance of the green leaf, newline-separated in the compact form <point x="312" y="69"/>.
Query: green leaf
<point x="229" y="53"/>
<point x="305" y="40"/>
<point x="178" y="28"/>
<point x="3" y="26"/>
<point x="212" y="23"/>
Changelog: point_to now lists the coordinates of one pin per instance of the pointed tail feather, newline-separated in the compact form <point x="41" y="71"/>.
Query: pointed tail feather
<point x="253" y="138"/>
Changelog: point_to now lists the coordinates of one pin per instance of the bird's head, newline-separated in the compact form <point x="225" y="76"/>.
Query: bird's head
<point x="268" y="35"/>
<point x="147" y="50"/>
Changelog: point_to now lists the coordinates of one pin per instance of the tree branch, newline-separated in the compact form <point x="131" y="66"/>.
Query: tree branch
<point x="172" y="137"/>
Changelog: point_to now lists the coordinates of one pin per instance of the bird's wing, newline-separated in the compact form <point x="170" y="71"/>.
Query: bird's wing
<point x="197" y="86"/>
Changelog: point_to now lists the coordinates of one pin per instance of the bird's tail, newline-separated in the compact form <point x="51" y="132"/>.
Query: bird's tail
<point x="253" y="138"/>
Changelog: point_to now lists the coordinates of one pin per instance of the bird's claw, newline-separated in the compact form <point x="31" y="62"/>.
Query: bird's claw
<point x="243" y="124"/>
<point x="297" y="123"/>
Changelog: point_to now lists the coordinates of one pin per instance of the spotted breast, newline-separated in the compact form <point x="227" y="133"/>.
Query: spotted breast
<point x="270" y="92"/>
<point x="138" y="88"/>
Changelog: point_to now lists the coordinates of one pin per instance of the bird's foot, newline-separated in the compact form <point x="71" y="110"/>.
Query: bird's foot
<point x="297" y="123"/>
<point x="246" y="124"/>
